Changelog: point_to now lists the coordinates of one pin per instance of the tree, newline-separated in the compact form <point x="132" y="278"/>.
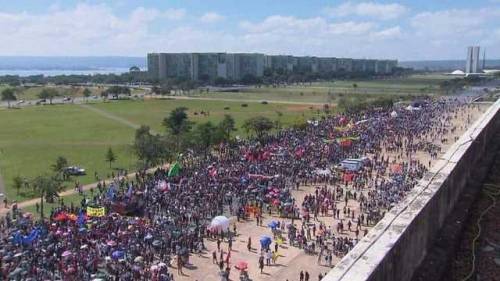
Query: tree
<point x="227" y="126"/>
<point x="86" y="93"/>
<point x="204" y="136"/>
<point x="278" y="124"/>
<point x="17" y="182"/>
<point x="354" y="85"/>
<point x="47" y="188"/>
<point x="60" y="164"/>
<point x="8" y="95"/>
<point x="110" y="156"/>
<point x="48" y="93"/>
<point x="150" y="149"/>
<point x="259" y="125"/>
<point x="177" y="124"/>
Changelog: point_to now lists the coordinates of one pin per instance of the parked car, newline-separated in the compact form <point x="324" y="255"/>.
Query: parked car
<point x="66" y="99"/>
<point x="74" y="171"/>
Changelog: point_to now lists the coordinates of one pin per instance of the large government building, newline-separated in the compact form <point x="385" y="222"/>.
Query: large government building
<point x="234" y="66"/>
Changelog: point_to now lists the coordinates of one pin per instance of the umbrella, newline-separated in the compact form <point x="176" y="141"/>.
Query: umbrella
<point x="241" y="265"/>
<point x="66" y="254"/>
<point x="162" y="264"/>
<point x="138" y="259"/>
<point x="156" y="243"/>
<point x="220" y="223"/>
<point x="265" y="241"/>
<point x="116" y="255"/>
<point x="273" y="224"/>
<point x="84" y="247"/>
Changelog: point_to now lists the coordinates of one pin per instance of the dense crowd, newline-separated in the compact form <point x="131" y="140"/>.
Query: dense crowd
<point x="159" y="219"/>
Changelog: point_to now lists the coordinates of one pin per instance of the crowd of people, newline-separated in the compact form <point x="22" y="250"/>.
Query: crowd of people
<point x="156" y="221"/>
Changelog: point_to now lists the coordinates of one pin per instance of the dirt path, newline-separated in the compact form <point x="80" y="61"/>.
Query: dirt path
<point x="112" y="117"/>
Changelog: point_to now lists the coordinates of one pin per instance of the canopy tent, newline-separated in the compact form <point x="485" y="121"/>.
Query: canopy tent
<point x="219" y="223"/>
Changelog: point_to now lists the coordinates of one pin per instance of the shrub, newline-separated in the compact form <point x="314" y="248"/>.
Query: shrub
<point x="244" y="105"/>
<point x="264" y="102"/>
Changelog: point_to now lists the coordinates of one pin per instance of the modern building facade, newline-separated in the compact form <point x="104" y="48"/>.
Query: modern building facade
<point x="235" y="66"/>
<point x="472" y="64"/>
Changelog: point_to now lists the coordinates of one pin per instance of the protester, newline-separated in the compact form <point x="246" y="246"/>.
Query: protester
<point x="153" y="219"/>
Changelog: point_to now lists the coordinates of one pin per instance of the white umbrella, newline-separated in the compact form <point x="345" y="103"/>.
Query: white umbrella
<point x="220" y="223"/>
<point x="394" y="114"/>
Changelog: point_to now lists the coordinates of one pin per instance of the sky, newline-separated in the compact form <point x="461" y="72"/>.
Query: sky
<point x="403" y="30"/>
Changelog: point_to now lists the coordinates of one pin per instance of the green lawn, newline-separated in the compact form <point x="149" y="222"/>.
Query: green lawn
<point x="32" y="138"/>
<point x="152" y="112"/>
<point x="329" y="92"/>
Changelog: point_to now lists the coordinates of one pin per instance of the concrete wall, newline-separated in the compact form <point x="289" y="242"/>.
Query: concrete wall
<point x="396" y="246"/>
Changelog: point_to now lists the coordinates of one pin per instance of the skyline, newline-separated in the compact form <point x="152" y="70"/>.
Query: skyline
<point x="372" y="30"/>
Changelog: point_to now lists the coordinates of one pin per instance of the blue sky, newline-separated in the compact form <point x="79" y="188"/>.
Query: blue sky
<point x="403" y="30"/>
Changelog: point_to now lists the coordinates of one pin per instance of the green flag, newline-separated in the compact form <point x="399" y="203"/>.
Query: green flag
<point x="174" y="170"/>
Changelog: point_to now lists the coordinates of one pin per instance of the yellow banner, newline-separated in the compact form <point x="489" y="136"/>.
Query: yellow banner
<point x="95" y="212"/>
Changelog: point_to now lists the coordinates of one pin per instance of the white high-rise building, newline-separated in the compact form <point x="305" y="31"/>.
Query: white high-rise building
<point x="472" y="64"/>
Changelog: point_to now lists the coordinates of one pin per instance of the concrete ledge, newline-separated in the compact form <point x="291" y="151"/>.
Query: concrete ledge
<point x="396" y="246"/>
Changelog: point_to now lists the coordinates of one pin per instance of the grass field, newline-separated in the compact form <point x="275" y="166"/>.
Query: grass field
<point x="33" y="137"/>
<point x="152" y="112"/>
<point x="327" y="92"/>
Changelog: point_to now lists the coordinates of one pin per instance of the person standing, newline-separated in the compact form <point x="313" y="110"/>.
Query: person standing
<point x="301" y="276"/>
<point x="261" y="263"/>
<point x="306" y="276"/>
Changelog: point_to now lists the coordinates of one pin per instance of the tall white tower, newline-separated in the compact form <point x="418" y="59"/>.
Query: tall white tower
<point x="472" y="64"/>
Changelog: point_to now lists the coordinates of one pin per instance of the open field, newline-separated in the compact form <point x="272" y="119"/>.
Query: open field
<point x="152" y="112"/>
<point x="328" y="92"/>
<point x="33" y="137"/>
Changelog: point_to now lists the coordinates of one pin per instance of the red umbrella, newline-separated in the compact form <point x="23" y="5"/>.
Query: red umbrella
<point x="241" y="265"/>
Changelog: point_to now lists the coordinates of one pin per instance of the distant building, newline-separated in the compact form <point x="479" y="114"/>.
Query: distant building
<point x="235" y="66"/>
<point x="472" y="64"/>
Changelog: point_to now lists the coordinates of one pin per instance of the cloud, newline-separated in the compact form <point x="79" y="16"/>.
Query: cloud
<point x="392" y="32"/>
<point x="280" y="25"/>
<point x="368" y="9"/>
<point x="81" y="30"/>
<point x="211" y="17"/>
<point x="87" y="29"/>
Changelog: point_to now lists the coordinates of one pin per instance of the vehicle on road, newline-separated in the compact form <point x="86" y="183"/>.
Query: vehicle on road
<point x="74" y="171"/>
